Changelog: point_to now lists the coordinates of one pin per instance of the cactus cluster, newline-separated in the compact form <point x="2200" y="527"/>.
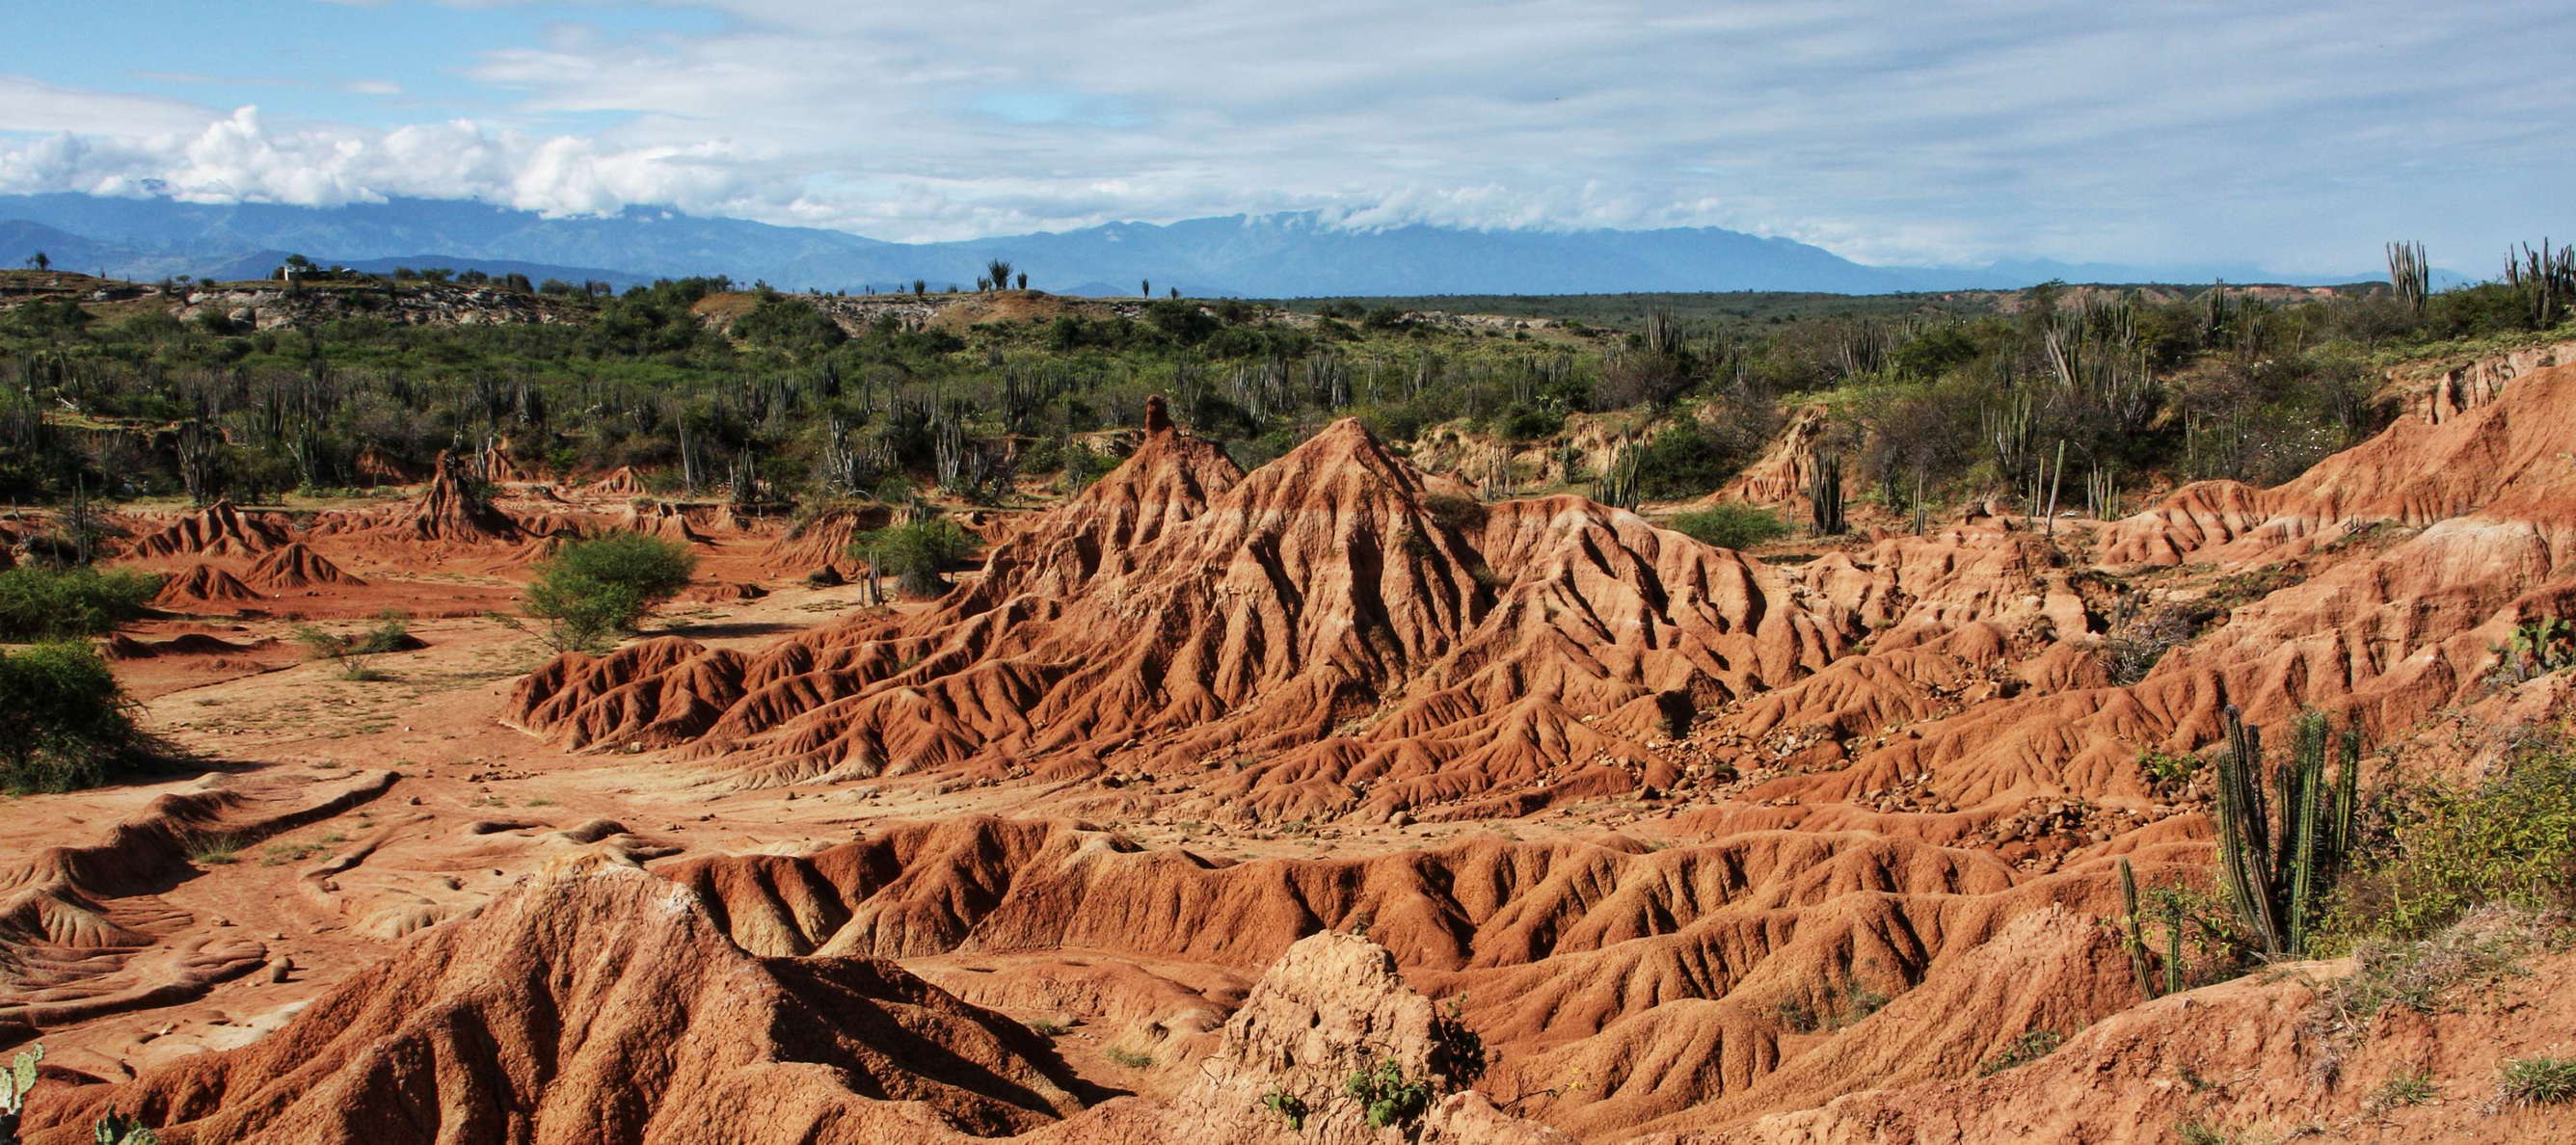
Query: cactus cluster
<point x="2411" y="275"/>
<point x="2102" y="492"/>
<point x="2279" y="855"/>
<point x="1619" y="476"/>
<point x="2546" y="277"/>
<point x="1825" y="492"/>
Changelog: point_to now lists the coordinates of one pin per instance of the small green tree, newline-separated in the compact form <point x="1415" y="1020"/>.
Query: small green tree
<point x="40" y="261"/>
<point x="998" y="272"/>
<point x="66" y="724"/>
<point x="918" y="554"/>
<point x="596" y="589"/>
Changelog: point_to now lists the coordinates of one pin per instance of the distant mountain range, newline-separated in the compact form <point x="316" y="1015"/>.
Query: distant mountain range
<point x="1254" y="256"/>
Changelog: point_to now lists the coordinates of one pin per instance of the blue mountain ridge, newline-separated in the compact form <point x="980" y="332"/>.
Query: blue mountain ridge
<point x="1291" y="254"/>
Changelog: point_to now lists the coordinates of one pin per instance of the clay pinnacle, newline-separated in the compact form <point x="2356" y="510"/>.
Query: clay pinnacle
<point x="1158" y="414"/>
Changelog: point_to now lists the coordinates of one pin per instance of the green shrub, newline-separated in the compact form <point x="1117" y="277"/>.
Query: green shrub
<point x="351" y="650"/>
<point x="1132" y="1059"/>
<point x="2537" y="1081"/>
<point x="1389" y="1097"/>
<point x="64" y="723"/>
<point x="2028" y="1048"/>
<point x="1290" y="1108"/>
<point x="2510" y="840"/>
<point x="1082" y="466"/>
<point x="786" y="323"/>
<point x="2399" y="1091"/>
<point x="1687" y="461"/>
<point x="596" y="589"/>
<point x="51" y="604"/>
<point x="917" y="555"/>
<point x="119" y="1129"/>
<point x="1731" y="525"/>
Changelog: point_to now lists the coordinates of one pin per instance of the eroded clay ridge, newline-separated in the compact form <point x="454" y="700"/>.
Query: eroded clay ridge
<point x="1659" y="976"/>
<point x="1338" y="633"/>
<point x="602" y="1005"/>
<point x="1333" y="630"/>
<point x="749" y="998"/>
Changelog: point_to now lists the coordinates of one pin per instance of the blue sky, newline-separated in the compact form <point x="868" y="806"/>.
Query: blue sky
<point x="2294" y="136"/>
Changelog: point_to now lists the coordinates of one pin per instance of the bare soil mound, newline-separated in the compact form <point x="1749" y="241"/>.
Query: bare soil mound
<point x="662" y="519"/>
<point x="822" y="542"/>
<point x="620" y="482"/>
<point x="450" y="511"/>
<point x="1331" y="1008"/>
<point x="218" y="530"/>
<point x="203" y="583"/>
<point x="295" y="567"/>
<point x="601" y="1004"/>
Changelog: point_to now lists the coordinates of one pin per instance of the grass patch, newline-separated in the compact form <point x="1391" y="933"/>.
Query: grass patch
<point x="2028" y="1048"/>
<point x="280" y="854"/>
<point x="1132" y="1059"/>
<point x="2198" y="1132"/>
<point x="2536" y="1081"/>
<point x="214" y="850"/>
<point x="2400" y="1091"/>
<point x="352" y="650"/>
<point x="2483" y="948"/>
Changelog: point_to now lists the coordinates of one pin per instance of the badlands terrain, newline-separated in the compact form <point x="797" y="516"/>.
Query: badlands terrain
<point x="1338" y="799"/>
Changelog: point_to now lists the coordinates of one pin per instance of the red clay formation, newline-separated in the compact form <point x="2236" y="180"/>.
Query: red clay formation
<point x="1214" y="806"/>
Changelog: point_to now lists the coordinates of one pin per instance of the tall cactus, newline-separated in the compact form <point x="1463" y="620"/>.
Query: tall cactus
<point x="2279" y="856"/>
<point x="2132" y="940"/>
<point x="2410" y="274"/>
<point x="2102" y="492"/>
<point x="2173" y="945"/>
<point x="1825" y="490"/>
<point x="1619" y="482"/>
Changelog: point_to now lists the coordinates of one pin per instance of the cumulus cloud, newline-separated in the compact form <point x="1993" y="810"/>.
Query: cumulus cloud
<point x="2301" y="136"/>
<point x="241" y="158"/>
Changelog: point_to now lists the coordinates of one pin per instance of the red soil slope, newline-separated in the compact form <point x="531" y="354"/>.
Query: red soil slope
<point x="602" y="1005"/>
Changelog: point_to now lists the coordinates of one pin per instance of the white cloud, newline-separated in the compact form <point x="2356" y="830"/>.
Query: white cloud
<point x="1889" y="132"/>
